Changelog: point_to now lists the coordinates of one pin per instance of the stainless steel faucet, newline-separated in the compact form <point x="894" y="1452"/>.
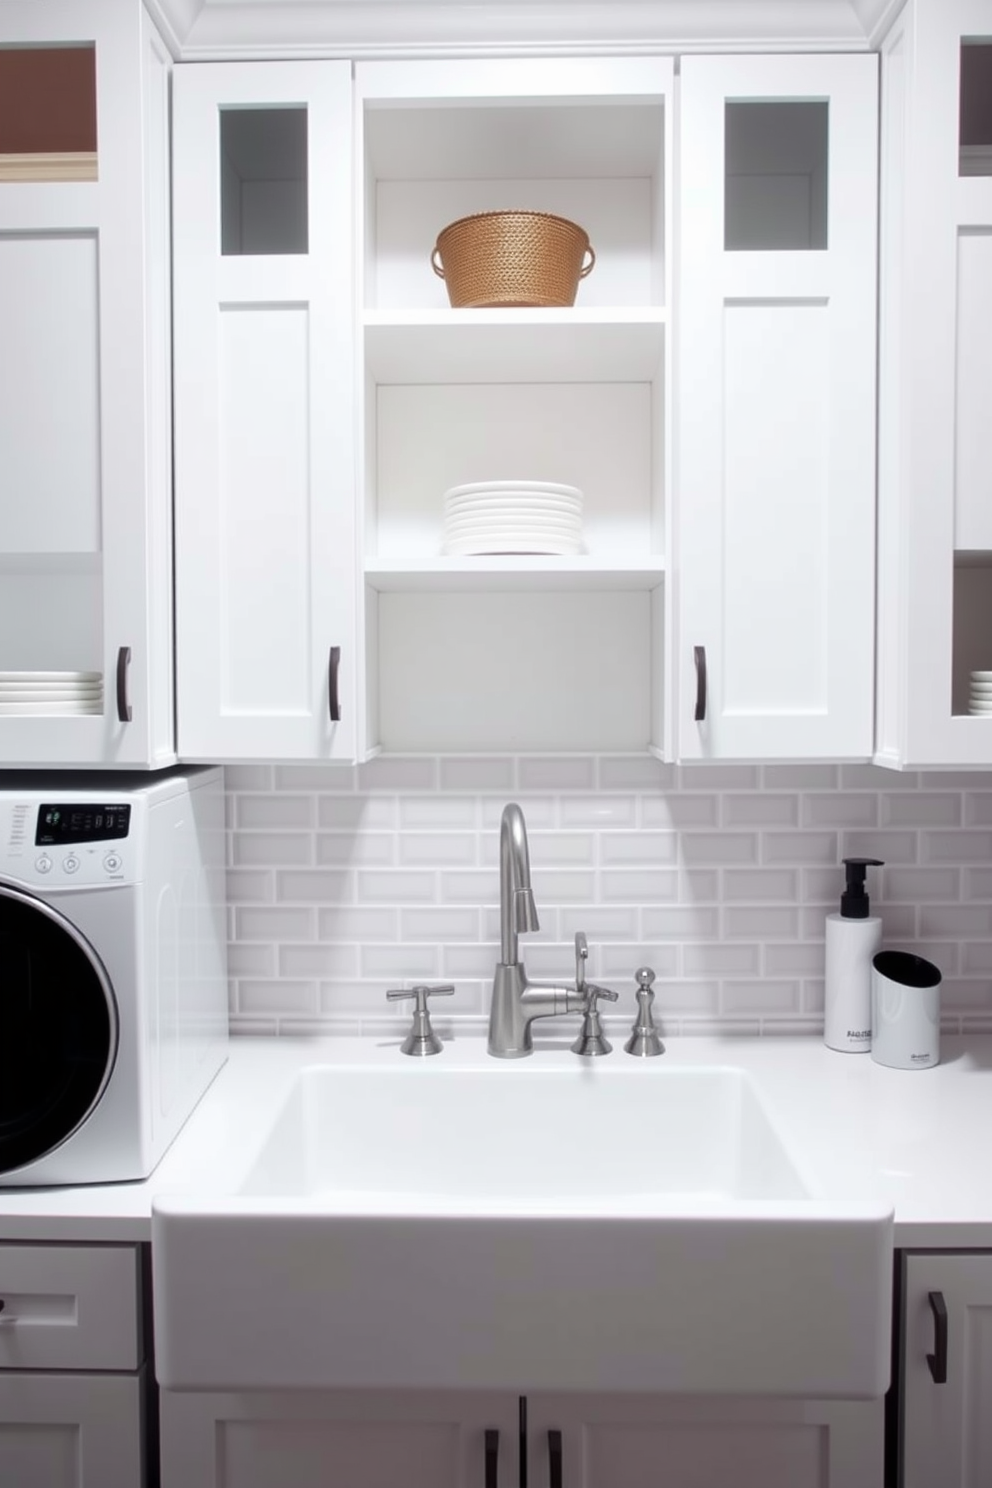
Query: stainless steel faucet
<point x="516" y="1000"/>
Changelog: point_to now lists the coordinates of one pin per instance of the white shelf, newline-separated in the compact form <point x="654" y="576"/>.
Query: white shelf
<point x="625" y="344"/>
<point x="498" y="573"/>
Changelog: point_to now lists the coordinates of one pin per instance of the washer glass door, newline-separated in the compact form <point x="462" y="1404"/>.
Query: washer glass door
<point x="58" y="1028"/>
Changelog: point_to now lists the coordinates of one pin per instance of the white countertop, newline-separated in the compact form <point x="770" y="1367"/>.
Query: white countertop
<point x="917" y="1140"/>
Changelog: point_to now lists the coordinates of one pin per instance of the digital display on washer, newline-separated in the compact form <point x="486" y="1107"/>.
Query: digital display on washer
<point x="67" y="822"/>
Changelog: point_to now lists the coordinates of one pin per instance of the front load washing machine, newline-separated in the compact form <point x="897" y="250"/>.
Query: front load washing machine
<point x="113" y="969"/>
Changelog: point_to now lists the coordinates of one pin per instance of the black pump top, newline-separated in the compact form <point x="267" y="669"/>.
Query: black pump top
<point x="854" y="900"/>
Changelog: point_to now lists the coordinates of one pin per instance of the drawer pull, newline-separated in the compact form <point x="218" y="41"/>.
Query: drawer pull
<point x="554" y="1459"/>
<point x="333" y="700"/>
<point x="123" y="701"/>
<point x="492" y="1458"/>
<point x="937" y="1361"/>
<point x="699" y="657"/>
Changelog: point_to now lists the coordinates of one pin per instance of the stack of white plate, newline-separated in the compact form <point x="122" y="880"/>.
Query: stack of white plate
<point x="44" y="693"/>
<point x="512" y="517"/>
<point x="980" y="700"/>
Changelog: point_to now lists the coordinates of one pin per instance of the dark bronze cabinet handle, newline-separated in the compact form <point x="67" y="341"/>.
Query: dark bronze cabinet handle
<point x="492" y="1459"/>
<point x="699" y="656"/>
<point x="123" y="705"/>
<point x="937" y="1361"/>
<point x="554" y="1459"/>
<point x="334" y="702"/>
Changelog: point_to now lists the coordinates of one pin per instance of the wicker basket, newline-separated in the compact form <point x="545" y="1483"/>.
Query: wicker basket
<point x="512" y="258"/>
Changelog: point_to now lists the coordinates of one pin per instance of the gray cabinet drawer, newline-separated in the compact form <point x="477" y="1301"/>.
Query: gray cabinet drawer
<point x="69" y="1307"/>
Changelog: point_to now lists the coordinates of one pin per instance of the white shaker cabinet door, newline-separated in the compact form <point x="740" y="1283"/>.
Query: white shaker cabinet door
<point x="264" y="390"/>
<point x="72" y="1430"/>
<point x="944" y="1366"/>
<point x="775" y="458"/>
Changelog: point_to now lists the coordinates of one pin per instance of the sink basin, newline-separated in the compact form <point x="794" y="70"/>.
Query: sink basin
<point x="563" y="1227"/>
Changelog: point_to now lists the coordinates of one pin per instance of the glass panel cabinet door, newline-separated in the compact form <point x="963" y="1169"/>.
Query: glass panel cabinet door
<point x="776" y="407"/>
<point x="266" y="561"/>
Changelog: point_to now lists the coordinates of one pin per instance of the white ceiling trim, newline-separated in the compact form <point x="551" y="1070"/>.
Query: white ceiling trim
<point x="202" y="29"/>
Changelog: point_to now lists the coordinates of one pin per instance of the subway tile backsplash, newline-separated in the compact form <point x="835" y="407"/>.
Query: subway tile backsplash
<point x="346" y="882"/>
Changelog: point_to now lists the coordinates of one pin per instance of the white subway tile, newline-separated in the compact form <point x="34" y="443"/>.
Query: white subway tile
<point x="351" y="849"/>
<point x="599" y="922"/>
<point x="559" y="773"/>
<point x="454" y="813"/>
<point x="977" y="809"/>
<point x="396" y="886"/>
<point x="825" y="885"/>
<point x="898" y="921"/>
<point x="835" y="809"/>
<point x="977" y="883"/>
<point x="680" y="810"/>
<point x="438" y="849"/>
<point x="276" y="997"/>
<point x="248" y="778"/>
<point x="760" y="809"/>
<point x="687" y="998"/>
<point x="970" y="921"/>
<point x="876" y="778"/>
<point x="719" y="847"/>
<point x="562" y="886"/>
<point x="761" y="999"/>
<point x="922" y="885"/>
<point x="540" y="812"/>
<point x="461" y="962"/>
<point x="314" y="886"/>
<point x="326" y="960"/>
<point x="324" y="777"/>
<point x="250" y="886"/>
<point x="699" y="885"/>
<point x="247" y="960"/>
<point x="471" y="773"/>
<point x="800" y="959"/>
<point x="722" y="1027"/>
<point x="799" y="847"/>
<point x="892" y="847"/>
<point x="976" y="958"/>
<point x="549" y="920"/>
<point x="478" y="886"/>
<point x="619" y="965"/>
<point x="395" y="773"/>
<point x="964" y="995"/>
<point x="552" y="962"/>
<point x="681" y="922"/>
<point x="966" y="846"/>
<point x="761" y="922"/>
<point x="639" y="885"/>
<point x="755" y="885"/>
<point x="404" y="964"/>
<point x="357" y="813"/>
<point x="922" y="809"/>
<point x="635" y="772"/>
<point x="351" y="922"/>
<point x="563" y="849"/>
<point x="246" y="1027"/>
<point x="798" y="1027"/>
<point x="720" y="958"/>
<point x="280" y="810"/>
<point x="352" y="997"/>
<point x="598" y="811"/>
<point x="274" y="923"/>
<point x="440" y="925"/>
<point x="718" y="777"/>
<point x="274" y="849"/>
<point x="799" y="777"/>
<point x="814" y="996"/>
<point x="619" y="848"/>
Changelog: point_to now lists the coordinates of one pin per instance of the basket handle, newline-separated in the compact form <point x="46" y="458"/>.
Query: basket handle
<point x="588" y="268"/>
<point x="438" y="268"/>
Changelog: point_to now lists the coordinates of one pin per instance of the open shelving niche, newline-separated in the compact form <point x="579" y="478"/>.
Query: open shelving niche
<point x="502" y="652"/>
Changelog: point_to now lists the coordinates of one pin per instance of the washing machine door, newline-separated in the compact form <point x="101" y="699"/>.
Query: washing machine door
<point x="58" y="1028"/>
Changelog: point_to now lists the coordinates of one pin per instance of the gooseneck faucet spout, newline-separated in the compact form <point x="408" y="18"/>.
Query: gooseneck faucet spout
<point x="516" y="1000"/>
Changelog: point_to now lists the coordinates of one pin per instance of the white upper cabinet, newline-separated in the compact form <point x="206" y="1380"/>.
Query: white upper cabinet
<point x="501" y="649"/>
<point x="775" y="367"/>
<point x="935" y="455"/>
<point x="266" y="562"/>
<point x="85" y="376"/>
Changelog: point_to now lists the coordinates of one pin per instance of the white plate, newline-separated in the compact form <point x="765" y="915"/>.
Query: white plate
<point x="514" y="504"/>
<point x="500" y="523"/>
<point x="66" y="710"/>
<point x="51" y="677"/>
<point x="982" y="677"/>
<point x="481" y="547"/>
<point x="545" y="488"/>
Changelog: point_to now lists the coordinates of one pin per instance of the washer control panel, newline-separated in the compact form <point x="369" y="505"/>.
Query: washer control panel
<point x="68" y="822"/>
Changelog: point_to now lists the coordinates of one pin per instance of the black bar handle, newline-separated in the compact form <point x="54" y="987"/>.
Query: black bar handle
<point x="492" y="1459"/>
<point x="123" y="705"/>
<point x="554" y="1459"/>
<point x="333" y="663"/>
<point x="938" y="1359"/>
<point x="699" y="657"/>
<point x="522" y="1440"/>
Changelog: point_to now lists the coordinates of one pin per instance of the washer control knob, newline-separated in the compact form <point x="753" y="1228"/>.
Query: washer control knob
<point x="70" y="864"/>
<point x="43" y="864"/>
<point x="113" y="862"/>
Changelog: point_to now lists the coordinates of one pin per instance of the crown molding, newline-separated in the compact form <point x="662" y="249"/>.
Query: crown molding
<point x="212" y="29"/>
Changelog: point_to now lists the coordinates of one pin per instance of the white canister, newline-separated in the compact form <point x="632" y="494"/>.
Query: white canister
<point x="905" y="1011"/>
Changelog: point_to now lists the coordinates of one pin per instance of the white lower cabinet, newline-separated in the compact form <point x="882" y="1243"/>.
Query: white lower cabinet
<point x="945" y="1363"/>
<point x="72" y="1376"/>
<point x="302" y="1439"/>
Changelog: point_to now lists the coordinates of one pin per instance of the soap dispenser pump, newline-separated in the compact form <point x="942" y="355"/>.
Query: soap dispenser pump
<point x="852" y="938"/>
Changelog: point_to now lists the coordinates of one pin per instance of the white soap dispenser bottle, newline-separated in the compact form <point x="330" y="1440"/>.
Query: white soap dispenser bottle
<point x="852" y="938"/>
